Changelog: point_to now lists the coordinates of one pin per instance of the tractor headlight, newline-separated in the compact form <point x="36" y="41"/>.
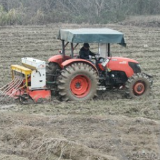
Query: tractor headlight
<point x="135" y="66"/>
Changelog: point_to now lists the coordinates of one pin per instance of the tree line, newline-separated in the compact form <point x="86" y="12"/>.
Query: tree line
<point x="24" y="12"/>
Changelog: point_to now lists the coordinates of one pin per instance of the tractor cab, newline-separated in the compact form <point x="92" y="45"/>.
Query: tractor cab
<point x="101" y="36"/>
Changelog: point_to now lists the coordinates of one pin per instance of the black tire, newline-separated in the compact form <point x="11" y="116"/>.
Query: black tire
<point x="78" y="82"/>
<point x="138" y="86"/>
<point x="51" y="70"/>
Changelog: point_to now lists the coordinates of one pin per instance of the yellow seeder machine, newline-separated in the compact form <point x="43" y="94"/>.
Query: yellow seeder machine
<point x="28" y="81"/>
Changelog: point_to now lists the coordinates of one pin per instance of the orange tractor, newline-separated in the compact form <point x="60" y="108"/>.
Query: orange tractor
<point x="72" y="78"/>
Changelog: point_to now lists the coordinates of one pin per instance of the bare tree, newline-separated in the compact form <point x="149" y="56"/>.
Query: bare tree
<point x="99" y="6"/>
<point x="4" y="3"/>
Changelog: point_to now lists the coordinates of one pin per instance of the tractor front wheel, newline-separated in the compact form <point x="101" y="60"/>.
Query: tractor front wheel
<point x="78" y="82"/>
<point x="138" y="86"/>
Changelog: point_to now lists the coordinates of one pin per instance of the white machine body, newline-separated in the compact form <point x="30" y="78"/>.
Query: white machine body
<point x="38" y="75"/>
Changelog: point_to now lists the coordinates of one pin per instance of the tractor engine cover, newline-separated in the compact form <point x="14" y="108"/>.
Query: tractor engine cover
<point x="120" y="64"/>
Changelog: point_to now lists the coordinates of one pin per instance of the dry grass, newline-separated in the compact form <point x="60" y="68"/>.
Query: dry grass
<point x="78" y="137"/>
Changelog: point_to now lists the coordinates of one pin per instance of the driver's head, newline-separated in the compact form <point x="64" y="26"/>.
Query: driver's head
<point x="86" y="45"/>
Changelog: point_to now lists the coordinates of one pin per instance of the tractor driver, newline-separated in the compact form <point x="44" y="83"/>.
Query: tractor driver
<point x="84" y="52"/>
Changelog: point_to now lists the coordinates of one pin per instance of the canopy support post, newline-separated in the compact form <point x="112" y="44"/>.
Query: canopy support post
<point x="63" y="48"/>
<point x="72" y="50"/>
<point x="109" y="50"/>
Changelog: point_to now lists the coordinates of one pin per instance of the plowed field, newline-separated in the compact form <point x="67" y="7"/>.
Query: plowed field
<point x="107" y="128"/>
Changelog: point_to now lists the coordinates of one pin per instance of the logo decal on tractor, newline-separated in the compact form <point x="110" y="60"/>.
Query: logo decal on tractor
<point x="114" y="59"/>
<point x="123" y="62"/>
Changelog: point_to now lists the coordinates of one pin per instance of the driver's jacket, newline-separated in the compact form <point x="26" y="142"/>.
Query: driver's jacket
<point x="84" y="54"/>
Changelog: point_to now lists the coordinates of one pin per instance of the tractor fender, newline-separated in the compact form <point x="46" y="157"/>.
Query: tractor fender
<point x="59" y="59"/>
<point x="71" y="61"/>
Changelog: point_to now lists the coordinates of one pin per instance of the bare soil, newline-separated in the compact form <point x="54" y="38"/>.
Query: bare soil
<point x="109" y="127"/>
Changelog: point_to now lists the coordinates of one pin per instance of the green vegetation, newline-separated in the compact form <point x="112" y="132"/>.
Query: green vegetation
<point x="85" y="11"/>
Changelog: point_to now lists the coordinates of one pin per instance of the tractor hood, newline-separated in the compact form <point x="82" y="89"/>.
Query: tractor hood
<point x="92" y="35"/>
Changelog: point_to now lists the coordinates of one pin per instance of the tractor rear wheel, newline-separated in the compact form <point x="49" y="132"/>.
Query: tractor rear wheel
<point x="51" y="77"/>
<point x="51" y="69"/>
<point x="78" y="82"/>
<point x="138" y="86"/>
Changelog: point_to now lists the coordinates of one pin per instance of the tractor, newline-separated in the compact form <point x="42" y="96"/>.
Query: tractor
<point x="78" y="79"/>
<point x="71" y="78"/>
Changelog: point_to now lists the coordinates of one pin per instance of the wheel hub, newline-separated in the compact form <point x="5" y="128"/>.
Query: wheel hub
<point x="139" y="88"/>
<point x="80" y="86"/>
